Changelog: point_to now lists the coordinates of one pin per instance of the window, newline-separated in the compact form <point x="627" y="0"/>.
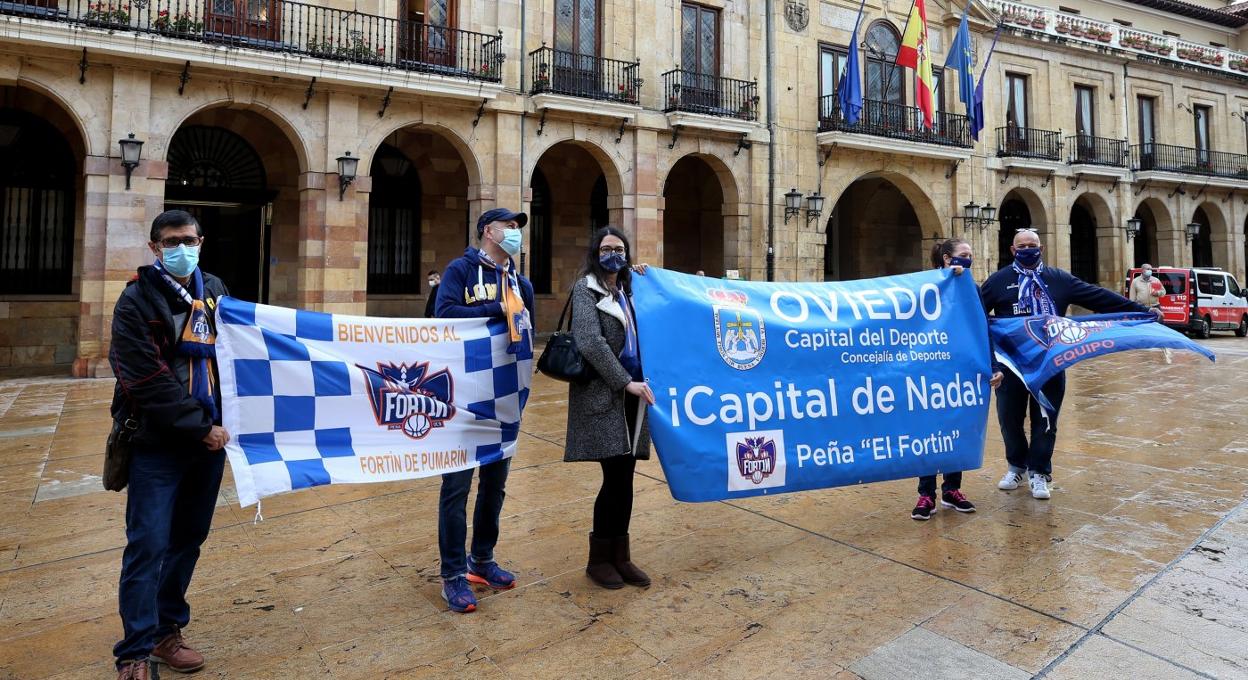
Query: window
<point x="1211" y="284"/>
<point x="699" y="57"/>
<point x="1200" y="115"/>
<point x="1148" y="124"/>
<point x="832" y="60"/>
<point x="1085" y="111"/>
<point x="576" y="26"/>
<point x="884" y="78"/>
<point x="1233" y="285"/>
<point x="1176" y="284"/>
<point x="938" y="87"/>
<point x="1015" y="100"/>
<point x="425" y="36"/>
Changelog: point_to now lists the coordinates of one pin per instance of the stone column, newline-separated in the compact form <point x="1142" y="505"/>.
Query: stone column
<point x="644" y="217"/>
<point x="310" y="278"/>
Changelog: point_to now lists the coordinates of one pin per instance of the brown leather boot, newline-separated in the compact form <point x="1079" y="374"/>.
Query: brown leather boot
<point x="137" y="669"/>
<point x="600" y="569"/>
<point x="629" y="572"/>
<point x="174" y="653"/>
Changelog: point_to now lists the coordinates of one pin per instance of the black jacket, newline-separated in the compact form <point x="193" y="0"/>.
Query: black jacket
<point x="999" y="293"/>
<point x="151" y="376"/>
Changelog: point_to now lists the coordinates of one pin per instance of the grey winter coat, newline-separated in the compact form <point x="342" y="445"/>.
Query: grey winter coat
<point x="597" y="425"/>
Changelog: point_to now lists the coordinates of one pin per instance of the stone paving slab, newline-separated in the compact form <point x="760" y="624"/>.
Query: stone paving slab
<point x="1137" y="568"/>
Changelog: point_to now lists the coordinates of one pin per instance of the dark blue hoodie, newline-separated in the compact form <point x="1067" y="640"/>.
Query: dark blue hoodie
<point x="470" y="289"/>
<point x="999" y="293"/>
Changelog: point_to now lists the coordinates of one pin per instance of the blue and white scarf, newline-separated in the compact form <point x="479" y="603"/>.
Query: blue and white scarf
<point x="1032" y="289"/>
<point x="196" y="340"/>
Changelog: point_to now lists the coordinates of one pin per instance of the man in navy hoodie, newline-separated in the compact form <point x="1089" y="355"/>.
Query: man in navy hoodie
<point x="1027" y="288"/>
<point x="482" y="283"/>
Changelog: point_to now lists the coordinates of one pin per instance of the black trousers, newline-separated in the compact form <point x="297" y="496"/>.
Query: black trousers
<point x="927" y="485"/>
<point x="614" y="506"/>
<point x="1014" y="404"/>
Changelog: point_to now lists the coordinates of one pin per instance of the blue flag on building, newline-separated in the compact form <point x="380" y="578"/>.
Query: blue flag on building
<point x="960" y="59"/>
<point x="1037" y="348"/>
<point x="849" y="89"/>
<point x="764" y="388"/>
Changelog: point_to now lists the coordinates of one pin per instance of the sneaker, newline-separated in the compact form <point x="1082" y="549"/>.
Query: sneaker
<point x="492" y="575"/>
<point x="1010" y="481"/>
<point x="924" y="509"/>
<point x="174" y="653"/>
<point x="458" y="595"/>
<point x="1039" y="486"/>
<point x="954" y="499"/>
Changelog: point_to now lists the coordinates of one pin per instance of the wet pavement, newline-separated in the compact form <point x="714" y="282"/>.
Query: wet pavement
<point x="1138" y="566"/>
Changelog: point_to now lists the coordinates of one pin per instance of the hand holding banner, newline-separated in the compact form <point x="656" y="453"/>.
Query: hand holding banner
<point x="775" y="387"/>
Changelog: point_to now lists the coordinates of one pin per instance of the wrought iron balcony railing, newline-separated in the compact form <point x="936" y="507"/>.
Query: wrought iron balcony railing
<point x="1188" y="160"/>
<point x="1020" y="142"/>
<point x="584" y="75"/>
<point x="711" y="95"/>
<point x="291" y="27"/>
<point x="1089" y="150"/>
<point x="884" y="119"/>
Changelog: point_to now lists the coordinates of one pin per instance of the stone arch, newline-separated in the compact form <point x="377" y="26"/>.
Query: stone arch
<point x="870" y="199"/>
<point x="1093" y="239"/>
<point x="1155" y="224"/>
<point x="607" y="162"/>
<point x="727" y="181"/>
<point x="161" y="141"/>
<point x="1219" y="234"/>
<point x="1019" y="207"/>
<point x="373" y="140"/>
<point x="84" y="143"/>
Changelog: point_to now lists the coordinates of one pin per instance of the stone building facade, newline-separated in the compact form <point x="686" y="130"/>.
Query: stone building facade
<point x="657" y="117"/>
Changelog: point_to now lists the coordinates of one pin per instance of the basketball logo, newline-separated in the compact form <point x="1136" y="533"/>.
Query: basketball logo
<point x="1070" y="334"/>
<point x="417" y="426"/>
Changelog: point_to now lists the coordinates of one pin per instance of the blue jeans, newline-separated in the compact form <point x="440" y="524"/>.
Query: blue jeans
<point x="453" y="521"/>
<point x="169" y="510"/>
<point x="1013" y="404"/>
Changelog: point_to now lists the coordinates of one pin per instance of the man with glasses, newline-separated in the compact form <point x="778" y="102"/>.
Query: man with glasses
<point x="166" y="404"/>
<point x="483" y="282"/>
<point x="1029" y="288"/>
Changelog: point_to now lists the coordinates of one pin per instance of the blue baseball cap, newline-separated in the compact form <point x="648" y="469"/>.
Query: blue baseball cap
<point x="499" y="215"/>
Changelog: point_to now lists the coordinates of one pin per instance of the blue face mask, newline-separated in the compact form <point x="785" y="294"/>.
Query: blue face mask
<point x="1027" y="257"/>
<point x="513" y="240"/>
<point x="613" y="262"/>
<point x="180" y="261"/>
<point x="964" y="262"/>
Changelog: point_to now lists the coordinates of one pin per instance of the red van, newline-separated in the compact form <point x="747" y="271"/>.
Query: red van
<point x="1200" y="300"/>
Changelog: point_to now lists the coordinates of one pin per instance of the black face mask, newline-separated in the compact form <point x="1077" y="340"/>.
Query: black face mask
<point x="613" y="262"/>
<point x="1028" y="257"/>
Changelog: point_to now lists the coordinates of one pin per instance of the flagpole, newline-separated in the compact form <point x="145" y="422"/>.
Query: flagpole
<point x="892" y="68"/>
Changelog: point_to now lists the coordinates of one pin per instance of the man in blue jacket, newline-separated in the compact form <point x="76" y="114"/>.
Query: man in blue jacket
<point x="482" y="283"/>
<point x="1028" y="288"/>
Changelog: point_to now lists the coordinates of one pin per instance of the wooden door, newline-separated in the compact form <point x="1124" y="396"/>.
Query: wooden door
<point x="699" y="57"/>
<point x="251" y="20"/>
<point x="427" y="35"/>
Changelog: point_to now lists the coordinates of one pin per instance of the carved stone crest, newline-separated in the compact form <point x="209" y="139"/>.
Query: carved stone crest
<point x="796" y="14"/>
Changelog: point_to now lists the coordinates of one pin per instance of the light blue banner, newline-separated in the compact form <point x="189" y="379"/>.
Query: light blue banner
<point x="773" y="387"/>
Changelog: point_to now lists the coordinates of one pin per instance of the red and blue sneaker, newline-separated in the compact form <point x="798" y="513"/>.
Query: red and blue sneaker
<point x="490" y="574"/>
<point x="924" y="509"/>
<point x="458" y="595"/>
<point x="954" y="499"/>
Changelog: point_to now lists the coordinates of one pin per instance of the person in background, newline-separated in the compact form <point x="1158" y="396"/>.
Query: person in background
<point x="1147" y="290"/>
<point x="700" y="272"/>
<point x="606" y="416"/>
<point x="484" y="282"/>
<point x="956" y="254"/>
<point x="1029" y="288"/>
<point x="163" y="354"/>
<point x="434" y="280"/>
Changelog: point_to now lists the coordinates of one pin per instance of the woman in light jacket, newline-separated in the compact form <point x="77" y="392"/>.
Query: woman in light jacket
<point x="606" y="416"/>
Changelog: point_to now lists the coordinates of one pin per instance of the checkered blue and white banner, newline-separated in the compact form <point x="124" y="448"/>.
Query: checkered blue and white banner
<point x="311" y="398"/>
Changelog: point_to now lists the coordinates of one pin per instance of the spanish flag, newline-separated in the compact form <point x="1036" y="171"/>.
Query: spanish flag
<point x="914" y="53"/>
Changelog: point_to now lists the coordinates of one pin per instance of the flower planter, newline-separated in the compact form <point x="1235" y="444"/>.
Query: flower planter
<point x="1063" y="29"/>
<point x="1038" y="24"/>
<point x="1104" y="37"/>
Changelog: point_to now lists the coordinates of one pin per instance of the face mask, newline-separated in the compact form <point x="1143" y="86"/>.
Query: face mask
<point x="964" y="262"/>
<point x="1027" y="257"/>
<point x="512" y="241"/>
<point x="180" y="261"/>
<point x="1148" y="273"/>
<point x="433" y="282"/>
<point x="613" y="262"/>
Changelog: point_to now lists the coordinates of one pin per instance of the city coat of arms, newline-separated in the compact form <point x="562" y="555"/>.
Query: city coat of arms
<point x="796" y="14"/>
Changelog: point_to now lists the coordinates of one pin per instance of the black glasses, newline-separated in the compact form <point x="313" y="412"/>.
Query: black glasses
<point x="172" y="242"/>
<point x="607" y="250"/>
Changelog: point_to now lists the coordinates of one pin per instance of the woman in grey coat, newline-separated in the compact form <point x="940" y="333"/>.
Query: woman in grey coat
<point x="606" y="416"/>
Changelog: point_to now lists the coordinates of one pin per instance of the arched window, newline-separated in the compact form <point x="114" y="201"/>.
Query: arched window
<point x="394" y="225"/>
<point x="36" y="207"/>
<point x="884" y="78"/>
<point x="206" y="157"/>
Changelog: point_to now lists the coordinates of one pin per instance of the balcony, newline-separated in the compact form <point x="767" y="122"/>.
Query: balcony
<point x="1175" y="164"/>
<point x="1089" y="150"/>
<point x="949" y="138"/>
<point x="711" y="102"/>
<point x="1049" y="25"/>
<point x="584" y="83"/>
<point x="198" y="31"/>
<point x="1016" y="142"/>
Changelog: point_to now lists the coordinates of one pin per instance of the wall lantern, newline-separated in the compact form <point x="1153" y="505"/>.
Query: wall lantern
<point x="814" y="207"/>
<point x="347" y="165"/>
<point x="131" y="150"/>
<point x="1133" y="227"/>
<point x="1192" y="231"/>
<point x="975" y="215"/>
<point x="792" y="204"/>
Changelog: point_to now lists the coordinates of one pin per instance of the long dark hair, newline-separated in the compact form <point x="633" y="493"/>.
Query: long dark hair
<point x="943" y="248"/>
<point x="591" y="267"/>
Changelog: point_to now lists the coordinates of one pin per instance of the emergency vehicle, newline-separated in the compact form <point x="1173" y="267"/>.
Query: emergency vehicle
<point x="1199" y="300"/>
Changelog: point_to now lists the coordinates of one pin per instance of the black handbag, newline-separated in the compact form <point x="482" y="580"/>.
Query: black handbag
<point x="117" y="454"/>
<point x="561" y="359"/>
